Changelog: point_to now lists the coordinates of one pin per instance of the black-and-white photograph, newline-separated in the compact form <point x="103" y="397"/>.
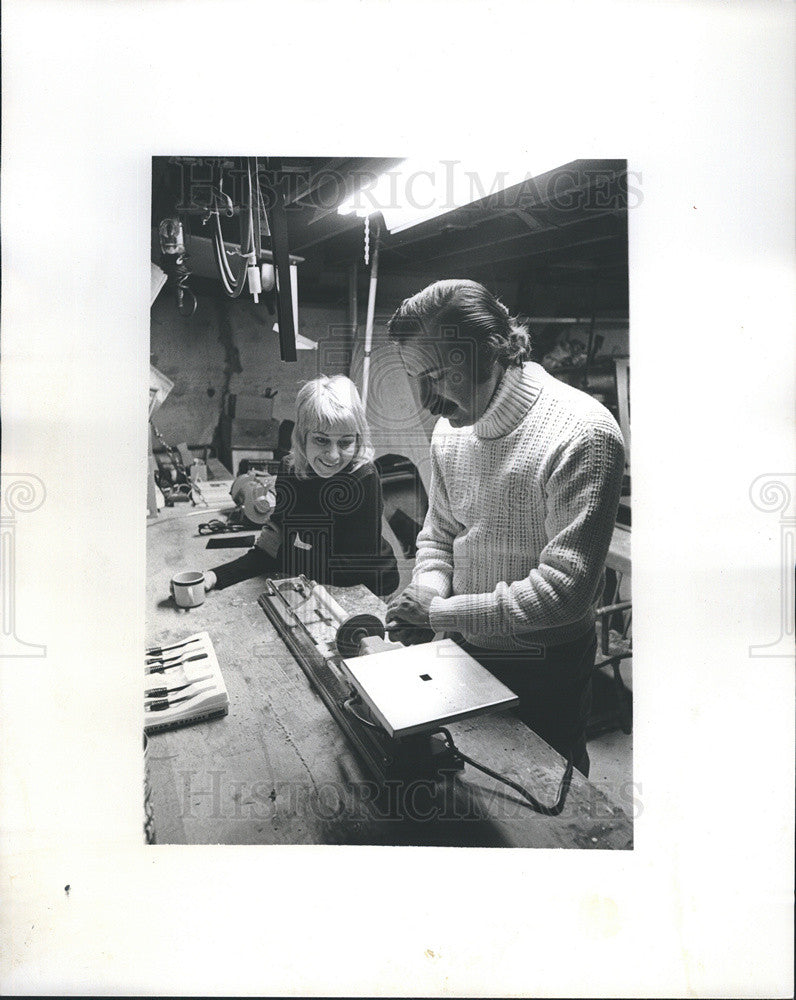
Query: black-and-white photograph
<point x="316" y="334"/>
<point x="389" y="503"/>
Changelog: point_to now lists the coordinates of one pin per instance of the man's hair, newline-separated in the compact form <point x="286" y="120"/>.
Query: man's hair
<point x="470" y="310"/>
<point x="323" y="403"/>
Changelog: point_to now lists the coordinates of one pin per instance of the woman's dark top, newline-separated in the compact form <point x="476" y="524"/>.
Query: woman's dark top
<point x="331" y="532"/>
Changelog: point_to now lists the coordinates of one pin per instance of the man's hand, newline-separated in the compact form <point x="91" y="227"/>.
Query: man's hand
<point x="407" y="615"/>
<point x="412" y="605"/>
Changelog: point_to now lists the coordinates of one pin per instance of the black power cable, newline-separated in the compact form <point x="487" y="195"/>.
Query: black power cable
<point x="535" y="804"/>
<point x="348" y="705"/>
<point x="554" y="810"/>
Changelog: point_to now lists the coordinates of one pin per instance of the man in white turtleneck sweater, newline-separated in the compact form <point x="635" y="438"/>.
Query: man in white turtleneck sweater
<point x="526" y="474"/>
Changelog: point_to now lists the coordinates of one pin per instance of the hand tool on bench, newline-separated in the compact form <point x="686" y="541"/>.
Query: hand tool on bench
<point x="159" y="650"/>
<point x="163" y="692"/>
<point x="159" y="668"/>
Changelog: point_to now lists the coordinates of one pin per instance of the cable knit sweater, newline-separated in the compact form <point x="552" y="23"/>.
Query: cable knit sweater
<point x="521" y="511"/>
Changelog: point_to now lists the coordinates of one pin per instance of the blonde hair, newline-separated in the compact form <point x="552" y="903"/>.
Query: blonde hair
<point x="321" y="404"/>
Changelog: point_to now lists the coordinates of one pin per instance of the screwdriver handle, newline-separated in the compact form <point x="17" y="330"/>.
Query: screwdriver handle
<point x="159" y="668"/>
<point x="160" y="650"/>
<point x="157" y="706"/>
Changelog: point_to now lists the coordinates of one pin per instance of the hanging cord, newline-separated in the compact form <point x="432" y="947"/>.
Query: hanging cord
<point x="265" y="231"/>
<point x="253" y="244"/>
<point x="186" y="300"/>
<point x="176" y="266"/>
<point x="535" y="804"/>
<point x="233" y="284"/>
<point x="261" y="201"/>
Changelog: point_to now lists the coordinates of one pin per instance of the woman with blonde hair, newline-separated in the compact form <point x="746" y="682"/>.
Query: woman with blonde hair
<point x="327" y="520"/>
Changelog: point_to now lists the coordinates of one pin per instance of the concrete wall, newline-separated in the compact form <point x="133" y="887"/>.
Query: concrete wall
<point x="229" y="345"/>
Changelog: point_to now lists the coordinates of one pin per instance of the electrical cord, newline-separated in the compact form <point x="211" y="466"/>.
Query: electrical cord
<point x="260" y="201"/>
<point x="536" y="805"/>
<point x="186" y="300"/>
<point x="234" y="284"/>
<point x="348" y="705"/>
<point x="554" y="810"/>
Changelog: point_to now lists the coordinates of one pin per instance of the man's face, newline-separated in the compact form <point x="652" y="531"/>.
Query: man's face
<point x="443" y="375"/>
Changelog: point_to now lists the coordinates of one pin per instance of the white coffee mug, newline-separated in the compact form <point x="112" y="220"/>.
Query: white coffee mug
<point x="188" y="589"/>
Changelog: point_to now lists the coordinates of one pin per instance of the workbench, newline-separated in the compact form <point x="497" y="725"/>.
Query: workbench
<point x="278" y="770"/>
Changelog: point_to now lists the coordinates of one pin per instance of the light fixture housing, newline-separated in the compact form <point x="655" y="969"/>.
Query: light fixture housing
<point x="417" y="190"/>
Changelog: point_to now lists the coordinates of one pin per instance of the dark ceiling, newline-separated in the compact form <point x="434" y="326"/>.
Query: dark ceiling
<point x="566" y="228"/>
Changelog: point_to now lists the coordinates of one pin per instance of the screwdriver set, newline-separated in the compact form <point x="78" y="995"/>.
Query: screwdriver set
<point x="182" y="684"/>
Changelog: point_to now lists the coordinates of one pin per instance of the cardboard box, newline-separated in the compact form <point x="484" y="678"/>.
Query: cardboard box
<point x="254" y="434"/>
<point x="243" y="406"/>
<point x="258" y="459"/>
<point x="257" y="437"/>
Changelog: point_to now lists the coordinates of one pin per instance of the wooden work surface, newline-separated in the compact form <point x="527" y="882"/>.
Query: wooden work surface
<point x="278" y="770"/>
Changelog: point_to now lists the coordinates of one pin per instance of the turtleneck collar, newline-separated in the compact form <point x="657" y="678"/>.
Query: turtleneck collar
<point x="518" y="391"/>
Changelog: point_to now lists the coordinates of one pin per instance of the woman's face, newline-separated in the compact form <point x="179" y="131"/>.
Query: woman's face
<point x="330" y="449"/>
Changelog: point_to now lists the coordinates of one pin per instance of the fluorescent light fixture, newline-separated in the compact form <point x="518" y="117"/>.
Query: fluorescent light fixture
<point x="416" y="190"/>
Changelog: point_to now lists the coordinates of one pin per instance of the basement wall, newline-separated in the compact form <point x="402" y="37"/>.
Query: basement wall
<point x="230" y="346"/>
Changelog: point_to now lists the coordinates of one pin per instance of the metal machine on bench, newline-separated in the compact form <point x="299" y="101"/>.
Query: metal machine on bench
<point x="387" y="698"/>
